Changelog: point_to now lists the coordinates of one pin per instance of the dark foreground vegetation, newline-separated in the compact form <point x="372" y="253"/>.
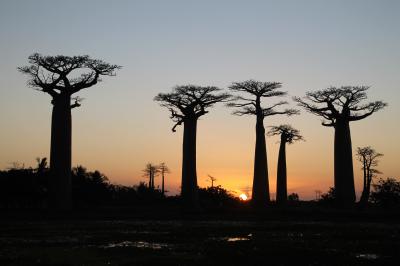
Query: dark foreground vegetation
<point x="28" y="188"/>
<point x="119" y="225"/>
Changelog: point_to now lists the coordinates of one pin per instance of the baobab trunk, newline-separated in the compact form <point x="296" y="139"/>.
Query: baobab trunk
<point x="162" y="184"/>
<point x="60" y="153"/>
<point x="343" y="164"/>
<point x="366" y="191"/>
<point x="281" y="182"/>
<point x="189" y="175"/>
<point x="260" y="193"/>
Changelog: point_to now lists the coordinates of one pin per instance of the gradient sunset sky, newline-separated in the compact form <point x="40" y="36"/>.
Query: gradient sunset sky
<point x="306" y="45"/>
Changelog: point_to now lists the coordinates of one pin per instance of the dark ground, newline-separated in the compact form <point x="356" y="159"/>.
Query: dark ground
<point x="140" y="237"/>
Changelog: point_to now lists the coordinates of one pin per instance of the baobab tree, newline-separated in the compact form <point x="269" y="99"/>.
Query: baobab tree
<point x="339" y="107"/>
<point x="369" y="159"/>
<point x="150" y="171"/>
<point x="252" y="105"/>
<point x="186" y="105"/>
<point x="288" y="135"/>
<point x="61" y="77"/>
<point x="212" y="180"/>
<point x="163" y="169"/>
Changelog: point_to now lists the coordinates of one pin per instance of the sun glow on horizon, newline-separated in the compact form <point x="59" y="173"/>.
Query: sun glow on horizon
<point x="243" y="197"/>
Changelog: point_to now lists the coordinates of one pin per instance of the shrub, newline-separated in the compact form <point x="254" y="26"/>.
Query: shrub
<point x="386" y="193"/>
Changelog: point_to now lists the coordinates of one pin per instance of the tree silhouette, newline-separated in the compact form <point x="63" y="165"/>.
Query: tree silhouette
<point x="212" y="180"/>
<point x="369" y="159"/>
<point x="253" y="106"/>
<point x="163" y="169"/>
<point x="151" y="171"/>
<point x="61" y="77"/>
<point x="387" y="193"/>
<point x="339" y="107"/>
<point x="186" y="104"/>
<point x="41" y="165"/>
<point x="288" y="135"/>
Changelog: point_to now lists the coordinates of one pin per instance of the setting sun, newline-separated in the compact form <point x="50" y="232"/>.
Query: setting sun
<point x="243" y="196"/>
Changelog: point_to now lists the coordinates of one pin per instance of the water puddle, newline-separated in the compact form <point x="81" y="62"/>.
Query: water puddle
<point x="235" y="239"/>
<point x="137" y="244"/>
<point x="367" y="256"/>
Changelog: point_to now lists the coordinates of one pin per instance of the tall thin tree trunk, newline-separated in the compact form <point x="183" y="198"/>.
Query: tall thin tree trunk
<point x="162" y="183"/>
<point x="189" y="175"/>
<point x="368" y="188"/>
<point x="343" y="164"/>
<point x="152" y="180"/>
<point x="260" y="193"/>
<point x="281" y="182"/>
<point x="363" y="197"/>
<point x="60" y="153"/>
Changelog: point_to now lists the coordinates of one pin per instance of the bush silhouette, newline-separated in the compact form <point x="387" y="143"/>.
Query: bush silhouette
<point x="386" y="193"/>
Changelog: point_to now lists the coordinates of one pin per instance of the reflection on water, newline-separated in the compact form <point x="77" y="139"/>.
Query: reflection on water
<point x="367" y="256"/>
<point x="235" y="239"/>
<point x="137" y="244"/>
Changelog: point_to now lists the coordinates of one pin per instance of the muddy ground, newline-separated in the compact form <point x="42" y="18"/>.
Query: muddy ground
<point x="198" y="242"/>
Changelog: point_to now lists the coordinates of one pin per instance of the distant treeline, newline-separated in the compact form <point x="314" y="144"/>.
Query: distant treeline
<point x="23" y="187"/>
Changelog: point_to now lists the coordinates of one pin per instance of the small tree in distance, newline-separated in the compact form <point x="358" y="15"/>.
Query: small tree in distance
<point x="369" y="159"/>
<point x="186" y="105"/>
<point x="150" y="171"/>
<point x="61" y="77"/>
<point x="212" y="180"/>
<point x="288" y="135"/>
<point x="163" y="169"/>
<point x="251" y="104"/>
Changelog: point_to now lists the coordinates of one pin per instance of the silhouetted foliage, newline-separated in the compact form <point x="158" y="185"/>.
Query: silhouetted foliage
<point x="289" y="135"/>
<point x="23" y="187"/>
<point x="28" y="188"/>
<point x="252" y="105"/>
<point x="216" y="197"/>
<point x="293" y="197"/>
<point x="186" y="105"/>
<point x="89" y="188"/>
<point x="386" y="193"/>
<point x="328" y="198"/>
<point x="61" y="77"/>
<point x="369" y="159"/>
<point x="339" y="107"/>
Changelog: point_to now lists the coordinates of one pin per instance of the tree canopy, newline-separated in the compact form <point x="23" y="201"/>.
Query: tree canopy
<point x="335" y="103"/>
<point x="190" y="101"/>
<point x="259" y="90"/>
<point x="289" y="133"/>
<point x="65" y="74"/>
